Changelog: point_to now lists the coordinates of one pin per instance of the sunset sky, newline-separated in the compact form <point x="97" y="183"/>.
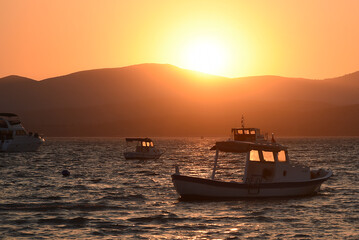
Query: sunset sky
<point x="307" y="38"/>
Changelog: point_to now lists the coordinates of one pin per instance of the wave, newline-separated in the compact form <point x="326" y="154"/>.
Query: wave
<point x="158" y="218"/>
<point x="56" y="207"/>
<point x="71" y="222"/>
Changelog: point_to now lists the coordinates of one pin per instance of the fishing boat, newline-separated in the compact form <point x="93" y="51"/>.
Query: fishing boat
<point x="14" y="137"/>
<point x="145" y="149"/>
<point x="248" y="135"/>
<point x="268" y="173"/>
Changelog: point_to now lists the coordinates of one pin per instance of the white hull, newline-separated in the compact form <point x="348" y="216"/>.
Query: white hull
<point x="192" y="187"/>
<point x="21" y="144"/>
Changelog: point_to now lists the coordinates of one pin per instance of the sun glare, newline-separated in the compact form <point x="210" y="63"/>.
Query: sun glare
<point x="207" y="56"/>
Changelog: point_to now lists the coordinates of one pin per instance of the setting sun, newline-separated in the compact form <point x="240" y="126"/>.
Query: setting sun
<point x="206" y="55"/>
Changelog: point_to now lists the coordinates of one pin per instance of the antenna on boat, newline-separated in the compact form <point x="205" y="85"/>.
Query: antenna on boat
<point x="242" y="121"/>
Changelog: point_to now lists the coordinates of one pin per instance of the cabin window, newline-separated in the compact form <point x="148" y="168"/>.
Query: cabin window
<point x="281" y="156"/>
<point x="143" y="144"/>
<point x="151" y="143"/>
<point x="268" y="156"/>
<point x="20" y="133"/>
<point x="3" y="124"/>
<point x="253" y="132"/>
<point x="148" y="144"/>
<point x="240" y="132"/>
<point x="254" y="156"/>
<point x="246" y="131"/>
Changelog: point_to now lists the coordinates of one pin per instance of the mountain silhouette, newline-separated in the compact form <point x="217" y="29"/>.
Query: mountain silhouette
<point x="164" y="100"/>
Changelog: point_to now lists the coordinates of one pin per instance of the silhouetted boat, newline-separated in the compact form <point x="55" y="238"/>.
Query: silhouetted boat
<point x="248" y="135"/>
<point x="14" y="137"/>
<point x="145" y="149"/>
<point x="268" y="173"/>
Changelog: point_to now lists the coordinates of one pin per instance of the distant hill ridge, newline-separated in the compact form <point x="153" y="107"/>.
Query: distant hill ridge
<point x="354" y="76"/>
<point x="164" y="100"/>
<point x="15" y="79"/>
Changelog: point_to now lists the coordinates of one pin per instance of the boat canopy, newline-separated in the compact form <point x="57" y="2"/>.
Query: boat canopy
<point x="12" y="118"/>
<point x="8" y="115"/>
<point x="243" y="147"/>
<point x="138" y="140"/>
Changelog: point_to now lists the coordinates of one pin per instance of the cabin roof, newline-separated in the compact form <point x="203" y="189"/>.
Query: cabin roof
<point x="138" y="140"/>
<point x="8" y="115"/>
<point x="242" y="147"/>
<point x="12" y="118"/>
<point x="256" y="129"/>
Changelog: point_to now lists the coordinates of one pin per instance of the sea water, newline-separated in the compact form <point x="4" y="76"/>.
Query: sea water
<point x="108" y="197"/>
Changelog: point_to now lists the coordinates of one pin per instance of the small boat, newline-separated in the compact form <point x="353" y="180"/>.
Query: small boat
<point x="145" y="149"/>
<point x="248" y="134"/>
<point x="14" y="137"/>
<point x="268" y="173"/>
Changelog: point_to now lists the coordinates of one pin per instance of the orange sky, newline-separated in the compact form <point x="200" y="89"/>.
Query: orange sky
<point x="312" y="39"/>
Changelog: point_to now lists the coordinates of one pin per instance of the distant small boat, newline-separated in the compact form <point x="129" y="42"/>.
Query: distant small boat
<point x="14" y="137"/>
<point x="248" y="135"/>
<point x="268" y="173"/>
<point x="145" y="149"/>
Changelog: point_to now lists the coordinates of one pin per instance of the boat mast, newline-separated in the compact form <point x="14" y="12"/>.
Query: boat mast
<point x="215" y="165"/>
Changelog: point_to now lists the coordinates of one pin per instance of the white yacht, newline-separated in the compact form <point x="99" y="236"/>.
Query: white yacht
<point x="268" y="173"/>
<point x="14" y="137"/>
<point x="145" y="149"/>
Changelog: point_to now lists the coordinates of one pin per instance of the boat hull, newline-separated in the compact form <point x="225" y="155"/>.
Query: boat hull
<point x="199" y="188"/>
<point x="21" y="144"/>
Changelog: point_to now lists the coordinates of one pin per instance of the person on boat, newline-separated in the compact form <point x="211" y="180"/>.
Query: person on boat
<point x="273" y="140"/>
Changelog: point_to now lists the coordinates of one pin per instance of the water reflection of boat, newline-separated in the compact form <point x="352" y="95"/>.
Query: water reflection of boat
<point x="14" y="137"/>
<point x="145" y="149"/>
<point x="268" y="173"/>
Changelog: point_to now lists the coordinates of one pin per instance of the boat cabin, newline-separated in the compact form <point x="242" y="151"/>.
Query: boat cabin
<point x="143" y="144"/>
<point x="10" y="126"/>
<point x="247" y="134"/>
<point x="266" y="162"/>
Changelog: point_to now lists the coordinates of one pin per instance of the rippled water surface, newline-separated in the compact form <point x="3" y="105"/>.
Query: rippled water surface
<point x="107" y="197"/>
